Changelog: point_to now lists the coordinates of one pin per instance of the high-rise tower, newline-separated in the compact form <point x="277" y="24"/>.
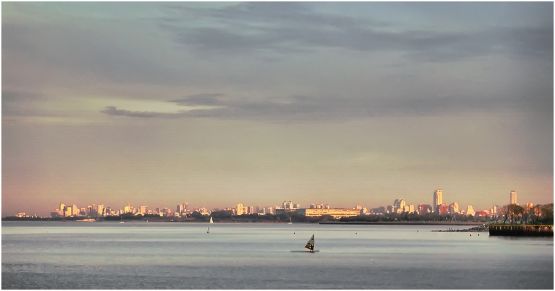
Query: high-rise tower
<point x="513" y="197"/>
<point x="438" y="200"/>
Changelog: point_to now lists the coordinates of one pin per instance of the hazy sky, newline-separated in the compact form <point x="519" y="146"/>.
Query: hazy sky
<point x="220" y="103"/>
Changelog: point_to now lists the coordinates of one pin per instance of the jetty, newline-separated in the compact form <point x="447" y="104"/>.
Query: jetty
<point x="521" y="230"/>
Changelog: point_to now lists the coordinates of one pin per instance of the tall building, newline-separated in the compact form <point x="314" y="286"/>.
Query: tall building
<point x="240" y="210"/>
<point x="143" y="209"/>
<point x="75" y="210"/>
<point x="182" y="208"/>
<point x="399" y="206"/>
<point x="61" y="210"/>
<point x="454" y="208"/>
<point x="470" y="210"/>
<point x="101" y="210"/>
<point x="438" y="200"/>
<point x="513" y="197"/>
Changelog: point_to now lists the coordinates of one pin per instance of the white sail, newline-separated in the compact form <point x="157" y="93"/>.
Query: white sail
<point x="211" y="221"/>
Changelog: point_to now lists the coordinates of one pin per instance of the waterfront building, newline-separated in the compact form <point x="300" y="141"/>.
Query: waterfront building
<point x="240" y="209"/>
<point x="287" y="204"/>
<point x="100" y="210"/>
<point x="75" y="210"/>
<point x="411" y="208"/>
<point x="481" y="213"/>
<point x="470" y="210"/>
<point x="454" y="208"/>
<point x="424" y="209"/>
<point x="143" y="210"/>
<point x="128" y="209"/>
<point x="437" y="200"/>
<point x="529" y="205"/>
<point x="513" y="197"/>
<point x="399" y="205"/>
<point x="182" y="208"/>
<point x="334" y="212"/>
<point x="61" y="209"/>
<point x="21" y="215"/>
<point x="443" y="209"/>
<point x="320" y="206"/>
<point x="378" y="211"/>
<point x="389" y="209"/>
<point x="67" y="211"/>
<point x="493" y="210"/>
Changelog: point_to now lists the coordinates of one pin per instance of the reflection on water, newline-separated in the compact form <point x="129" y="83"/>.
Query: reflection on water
<point x="259" y="256"/>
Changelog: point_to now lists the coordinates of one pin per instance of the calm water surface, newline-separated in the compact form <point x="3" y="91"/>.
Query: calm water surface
<point x="140" y="255"/>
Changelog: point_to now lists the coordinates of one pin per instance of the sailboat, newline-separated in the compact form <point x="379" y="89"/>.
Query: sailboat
<point x="310" y="245"/>
<point x="290" y="222"/>
<point x="211" y="221"/>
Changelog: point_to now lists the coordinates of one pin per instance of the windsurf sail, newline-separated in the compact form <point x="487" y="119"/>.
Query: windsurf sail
<point x="310" y="244"/>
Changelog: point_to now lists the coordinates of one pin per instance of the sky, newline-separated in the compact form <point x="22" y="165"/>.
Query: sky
<point x="220" y="103"/>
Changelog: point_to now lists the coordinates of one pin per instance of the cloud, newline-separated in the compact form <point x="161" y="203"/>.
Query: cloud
<point x="333" y="108"/>
<point x="279" y="28"/>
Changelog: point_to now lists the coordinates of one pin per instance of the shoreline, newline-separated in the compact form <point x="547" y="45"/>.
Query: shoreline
<point x="404" y="222"/>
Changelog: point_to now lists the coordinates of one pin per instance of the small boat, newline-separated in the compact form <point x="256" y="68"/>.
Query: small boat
<point x="310" y="245"/>
<point x="211" y="221"/>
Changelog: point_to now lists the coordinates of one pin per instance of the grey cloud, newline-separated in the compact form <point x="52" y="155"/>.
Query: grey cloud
<point x="114" y="111"/>
<point x="338" y="108"/>
<point x="282" y="27"/>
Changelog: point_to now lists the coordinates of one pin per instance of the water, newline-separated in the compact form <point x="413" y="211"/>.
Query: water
<point x="140" y="255"/>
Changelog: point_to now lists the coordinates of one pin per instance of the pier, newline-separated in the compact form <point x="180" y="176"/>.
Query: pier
<point x="520" y="230"/>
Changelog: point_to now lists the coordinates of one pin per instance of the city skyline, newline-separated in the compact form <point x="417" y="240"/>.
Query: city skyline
<point x="451" y="205"/>
<point x="215" y="103"/>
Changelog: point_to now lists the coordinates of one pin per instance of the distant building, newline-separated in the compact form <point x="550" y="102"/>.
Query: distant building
<point x="493" y="210"/>
<point x="21" y="214"/>
<point x="424" y="209"/>
<point x="454" y="208"/>
<point x="101" y="210"/>
<point x="437" y="200"/>
<point x="443" y="209"/>
<point x="240" y="209"/>
<point x="143" y="210"/>
<point x="399" y="205"/>
<point x="378" y="211"/>
<point x="182" y="208"/>
<point x="320" y="206"/>
<point x="61" y="209"/>
<point x="529" y="206"/>
<point x="513" y="197"/>
<point x="470" y="210"/>
<point x="335" y="212"/>
<point x="481" y="213"/>
<point x="75" y="210"/>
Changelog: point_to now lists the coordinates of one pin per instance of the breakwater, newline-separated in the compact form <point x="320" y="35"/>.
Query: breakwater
<point x="520" y="230"/>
